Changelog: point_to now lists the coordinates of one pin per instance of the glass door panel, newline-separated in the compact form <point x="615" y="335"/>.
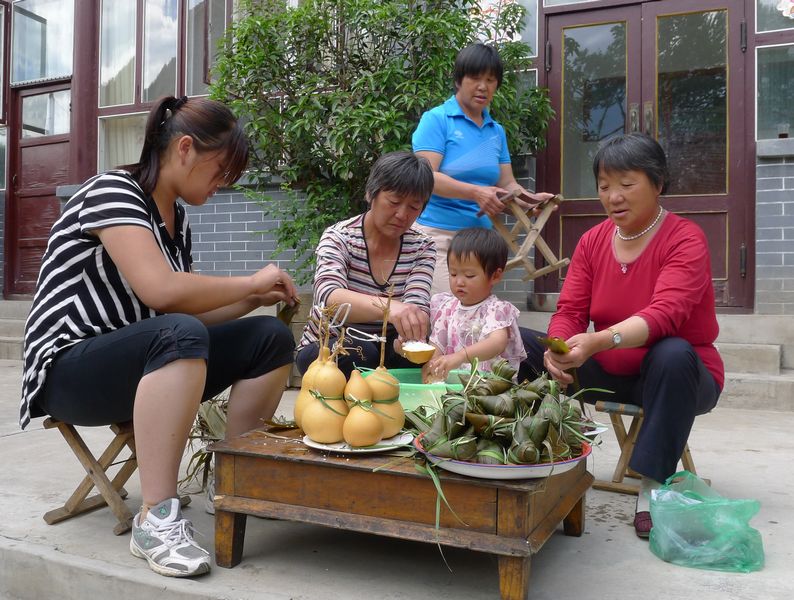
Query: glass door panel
<point x="692" y="100"/>
<point x="593" y="99"/>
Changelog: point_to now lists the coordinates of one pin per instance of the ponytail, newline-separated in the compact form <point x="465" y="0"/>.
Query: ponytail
<point x="212" y="126"/>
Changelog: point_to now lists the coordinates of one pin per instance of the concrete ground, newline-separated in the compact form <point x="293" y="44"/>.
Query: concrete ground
<point x="743" y="452"/>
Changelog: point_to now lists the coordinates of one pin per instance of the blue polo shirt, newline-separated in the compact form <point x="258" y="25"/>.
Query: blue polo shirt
<point x="472" y="154"/>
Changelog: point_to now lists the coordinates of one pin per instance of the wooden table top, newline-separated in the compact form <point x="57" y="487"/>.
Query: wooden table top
<point x="287" y="445"/>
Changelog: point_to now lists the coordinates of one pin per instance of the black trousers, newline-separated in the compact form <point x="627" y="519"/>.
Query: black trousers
<point x="673" y="387"/>
<point x="94" y="382"/>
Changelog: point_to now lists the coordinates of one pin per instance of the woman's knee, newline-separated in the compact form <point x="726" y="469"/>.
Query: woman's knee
<point x="671" y="354"/>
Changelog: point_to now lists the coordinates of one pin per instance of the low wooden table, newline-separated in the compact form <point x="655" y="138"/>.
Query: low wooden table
<point x="271" y="477"/>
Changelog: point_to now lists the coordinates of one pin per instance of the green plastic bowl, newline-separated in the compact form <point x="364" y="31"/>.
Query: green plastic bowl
<point x="414" y="393"/>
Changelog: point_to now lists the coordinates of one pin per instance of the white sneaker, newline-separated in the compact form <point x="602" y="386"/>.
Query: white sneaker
<point x="165" y="540"/>
<point x="209" y="501"/>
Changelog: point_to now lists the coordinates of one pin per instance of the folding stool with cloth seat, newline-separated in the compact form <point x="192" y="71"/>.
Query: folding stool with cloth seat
<point x="531" y="235"/>
<point x="111" y="492"/>
<point x="626" y="440"/>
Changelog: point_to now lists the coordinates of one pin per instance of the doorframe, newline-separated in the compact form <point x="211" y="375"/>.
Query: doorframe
<point x="745" y="105"/>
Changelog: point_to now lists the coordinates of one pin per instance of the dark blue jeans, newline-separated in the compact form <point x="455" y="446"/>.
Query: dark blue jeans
<point x="673" y="387"/>
<point x="94" y="382"/>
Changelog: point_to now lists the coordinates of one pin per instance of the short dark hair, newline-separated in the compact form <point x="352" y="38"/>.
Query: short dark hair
<point x="633" y="152"/>
<point x="211" y="125"/>
<point x="403" y="173"/>
<point x="476" y="59"/>
<point x="486" y="245"/>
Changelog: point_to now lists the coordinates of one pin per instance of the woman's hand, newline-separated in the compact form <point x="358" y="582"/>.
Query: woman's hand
<point x="410" y="321"/>
<point x="272" y="285"/>
<point x="582" y="345"/>
<point x="537" y="201"/>
<point x="487" y="197"/>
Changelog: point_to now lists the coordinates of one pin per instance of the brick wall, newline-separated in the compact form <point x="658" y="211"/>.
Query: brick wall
<point x="235" y="236"/>
<point x="774" y="259"/>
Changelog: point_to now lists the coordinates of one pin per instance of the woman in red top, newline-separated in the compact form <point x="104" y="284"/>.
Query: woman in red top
<point x="643" y="277"/>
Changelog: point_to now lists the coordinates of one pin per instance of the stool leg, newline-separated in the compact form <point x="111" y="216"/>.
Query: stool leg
<point x="626" y="448"/>
<point x="77" y="504"/>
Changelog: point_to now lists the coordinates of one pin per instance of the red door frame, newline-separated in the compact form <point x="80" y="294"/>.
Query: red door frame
<point x="741" y="236"/>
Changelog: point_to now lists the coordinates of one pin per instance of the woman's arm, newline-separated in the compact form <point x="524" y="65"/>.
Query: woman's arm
<point x="487" y="197"/>
<point x="508" y="181"/>
<point x="138" y="258"/>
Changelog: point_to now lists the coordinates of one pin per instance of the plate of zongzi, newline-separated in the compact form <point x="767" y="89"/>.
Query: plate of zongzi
<point x="510" y="471"/>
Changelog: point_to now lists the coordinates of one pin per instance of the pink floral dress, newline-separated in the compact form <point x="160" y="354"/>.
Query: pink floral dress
<point x="456" y="326"/>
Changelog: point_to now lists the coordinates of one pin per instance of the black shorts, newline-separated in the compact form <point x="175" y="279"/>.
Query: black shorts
<point x="94" y="382"/>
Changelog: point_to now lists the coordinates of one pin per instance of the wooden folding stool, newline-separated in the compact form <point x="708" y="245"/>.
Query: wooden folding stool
<point x="626" y="440"/>
<point x="111" y="492"/>
<point x="524" y="226"/>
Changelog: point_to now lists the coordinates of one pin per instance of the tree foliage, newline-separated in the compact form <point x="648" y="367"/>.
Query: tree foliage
<point x="325" y="88"/>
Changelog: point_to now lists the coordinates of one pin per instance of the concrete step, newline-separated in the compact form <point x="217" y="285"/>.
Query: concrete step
<point x="763" y="359"/>
<point x="11" y="348"/>
<point x="757" y="391"/>
<point x="15" y="309"/>
<point x="12" y="327"/>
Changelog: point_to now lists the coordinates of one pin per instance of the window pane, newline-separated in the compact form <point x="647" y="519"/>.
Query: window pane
<point x="594" y="100"/>
<point x="529" y="35"/>
<point x="160" y="35"/>
<point x="3" y="158"/>
<point x="46" y="114"/>
<point x="117" y="72"/>
<point x="120" y="140"/>
<point x="775" y="91"/>
<point x="692" y="106"/>
<point x="2" y="55"/>
<point x="42" y="37"/>
<point x="770" y="17"/>
<point x="205" y="25"/>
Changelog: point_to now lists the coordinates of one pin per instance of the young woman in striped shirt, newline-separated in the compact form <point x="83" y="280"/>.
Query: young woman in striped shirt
<point x="121" y="329"/>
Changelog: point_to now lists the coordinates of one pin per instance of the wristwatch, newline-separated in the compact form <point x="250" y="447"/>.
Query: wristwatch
<point x="616" y="337"/>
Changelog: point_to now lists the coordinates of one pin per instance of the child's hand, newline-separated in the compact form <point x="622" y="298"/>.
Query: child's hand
<point x="439" y="367"/>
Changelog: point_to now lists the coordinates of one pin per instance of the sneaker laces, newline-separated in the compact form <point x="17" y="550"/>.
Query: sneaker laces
<point x="178" y="532"/>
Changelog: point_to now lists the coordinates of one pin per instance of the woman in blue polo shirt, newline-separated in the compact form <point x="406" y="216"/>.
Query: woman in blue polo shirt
<point x="468" y="152"/>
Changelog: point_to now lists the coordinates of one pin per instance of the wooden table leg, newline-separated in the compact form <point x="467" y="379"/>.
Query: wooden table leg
<point x="573" y="524"/>
<point x="229" y="538"/>
<point x="514" y="577"/>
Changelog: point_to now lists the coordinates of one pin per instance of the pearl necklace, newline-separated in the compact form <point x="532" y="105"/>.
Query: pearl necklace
<point x="628" y="238"/>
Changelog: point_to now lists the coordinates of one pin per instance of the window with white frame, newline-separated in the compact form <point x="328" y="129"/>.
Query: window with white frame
<point x="774" y="15"/>
<point x="172" y="53"/>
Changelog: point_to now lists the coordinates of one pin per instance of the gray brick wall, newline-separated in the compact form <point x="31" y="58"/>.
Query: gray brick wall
<point x="774" y="258"/>
<point x="233" y="235"/>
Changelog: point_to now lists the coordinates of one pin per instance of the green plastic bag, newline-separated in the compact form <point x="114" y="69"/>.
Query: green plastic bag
<point x="693" y="526"/>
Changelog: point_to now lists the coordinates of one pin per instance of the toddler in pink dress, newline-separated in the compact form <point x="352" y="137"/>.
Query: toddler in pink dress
<point x="471" y="322"/>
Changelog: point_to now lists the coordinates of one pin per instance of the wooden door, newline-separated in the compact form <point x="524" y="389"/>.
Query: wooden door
<point x="674" y="69"/>
<point x="39" y="161"/>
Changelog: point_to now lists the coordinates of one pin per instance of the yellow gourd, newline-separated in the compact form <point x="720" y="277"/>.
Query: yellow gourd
<point x="304" y="395"/>
<point x="357" y="389"/>
<point x="362" y="427"/>
<point x="322" y="424"/>
<point x="385" y="399"/>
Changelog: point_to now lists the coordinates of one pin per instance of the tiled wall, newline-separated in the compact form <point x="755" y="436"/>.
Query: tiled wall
<point x="774" y="259"/>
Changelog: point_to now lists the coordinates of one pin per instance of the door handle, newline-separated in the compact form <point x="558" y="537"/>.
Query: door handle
<point x="648" y="117"/>
<point x="634" y="117"/>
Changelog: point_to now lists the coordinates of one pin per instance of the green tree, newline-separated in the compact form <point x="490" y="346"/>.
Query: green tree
<point x="325" y="88"/>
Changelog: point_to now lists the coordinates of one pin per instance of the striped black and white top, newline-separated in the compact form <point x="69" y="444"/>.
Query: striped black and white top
<point x="80" y="293"/>
<point x="343" y="262"/>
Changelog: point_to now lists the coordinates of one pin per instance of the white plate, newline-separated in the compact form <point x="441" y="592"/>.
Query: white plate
<point x="401" y="439"/>
<point x="504" y="471"/>
<point x="596" y="432"/>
